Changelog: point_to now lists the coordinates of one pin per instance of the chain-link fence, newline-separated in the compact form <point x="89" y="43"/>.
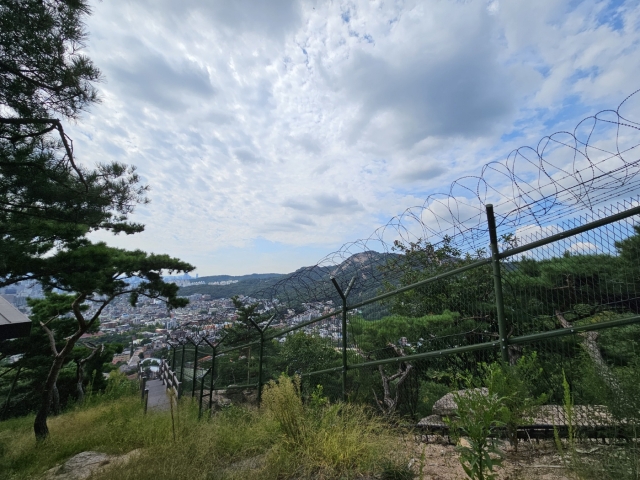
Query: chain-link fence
<point x="547" y="314"/>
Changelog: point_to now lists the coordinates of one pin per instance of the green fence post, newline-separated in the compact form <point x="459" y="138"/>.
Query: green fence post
<point x="184" y="345"/>
<point x="260" y="367"/>
<point x="202" y="394"/>
<point x="497" y="282"/>
<point x="345" y="365"/>
<point x="173" y="359"/>
<point x="213" y="365"/>
<point x="261" y="357"/>
<point x="195" y="369"/>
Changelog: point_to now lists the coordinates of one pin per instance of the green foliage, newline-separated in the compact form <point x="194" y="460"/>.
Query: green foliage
<point x="282" y="400"/>
<point x="567" y="405"/>
<point x="335" y="441"/>
<point x="341" y="441"/>
<point x="394" y="470"/>
<point x="36" y="355"/>
<point x="479" y="413"/>
<point x="422" y="260"/>
<point x="430" y="392"/>
<point x="302" y="353"/>
<point x="514" y="385"/>
<point x="48" y="200"/>
<point x="317" y="399"/>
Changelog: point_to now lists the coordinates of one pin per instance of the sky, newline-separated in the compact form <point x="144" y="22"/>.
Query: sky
<point x="272" y="132"/>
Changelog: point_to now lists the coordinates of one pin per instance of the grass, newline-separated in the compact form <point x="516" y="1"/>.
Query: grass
<point x="282" y="440"/>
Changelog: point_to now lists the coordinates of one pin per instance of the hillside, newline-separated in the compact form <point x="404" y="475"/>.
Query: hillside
<point x="246" y="285"/>
<point x="305" y="284"/>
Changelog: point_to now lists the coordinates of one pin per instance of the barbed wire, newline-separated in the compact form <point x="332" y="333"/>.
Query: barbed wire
<point x="568" y="172"/>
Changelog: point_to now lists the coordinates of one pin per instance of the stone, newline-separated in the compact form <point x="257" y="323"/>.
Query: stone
<point x="447" y="405"/>
<point x="85" y="464"/>
<point x="432" y="421"/>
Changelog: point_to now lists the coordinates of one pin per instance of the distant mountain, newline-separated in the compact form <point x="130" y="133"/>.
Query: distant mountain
<point x="244" y="285"/>
<point x="226" y="278"/>
<point x="307" y="284"/>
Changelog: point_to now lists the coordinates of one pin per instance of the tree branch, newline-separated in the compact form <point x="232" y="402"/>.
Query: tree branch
<point x="591" y="347"/>
<point x="26" y="78"/>
<point x="52" y="340"/>
<point x="75" y="306"/>
<point x="55" y="123"/>
<point x="99" y="311"/>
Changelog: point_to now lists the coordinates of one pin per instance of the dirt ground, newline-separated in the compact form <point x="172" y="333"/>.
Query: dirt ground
<point x="438" y="460"/>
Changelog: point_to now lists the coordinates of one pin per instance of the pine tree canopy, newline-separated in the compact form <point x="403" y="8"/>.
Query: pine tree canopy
<point x="48" y="200"/>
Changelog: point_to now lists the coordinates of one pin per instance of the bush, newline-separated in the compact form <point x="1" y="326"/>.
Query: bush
<point x="479" y="413"/>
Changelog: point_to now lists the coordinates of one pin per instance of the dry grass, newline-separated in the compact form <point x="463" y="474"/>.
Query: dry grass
<point x="283" y="440"/>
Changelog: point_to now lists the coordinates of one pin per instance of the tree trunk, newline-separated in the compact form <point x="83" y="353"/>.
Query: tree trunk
<point x="79" y="380"/>
<point x="56" y="399"/>
<point x="389" y="403"/>
<point x="40" y="424"/>
<point x="590" y="345"/>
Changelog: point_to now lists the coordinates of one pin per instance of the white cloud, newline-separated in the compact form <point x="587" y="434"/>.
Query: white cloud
<point x="583" y="248"/>
<point x="306" y="123"/>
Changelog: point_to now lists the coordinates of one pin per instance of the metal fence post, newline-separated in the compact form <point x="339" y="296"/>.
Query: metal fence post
<point x="202" y="393"/>
<point x="260" y="367"/>
<point x="184" y="345"/>
<point x="195" y="369"/>
<point x="345" y="365"/>
<point x="145" y="395"/>
<point x="497" y="283"/>
<point x="144" y="386"/>
<point x="261" y="357"/>
<point x="213" y="365"/>
<point x="173" y="359"/>
<point x="213" y="368"/>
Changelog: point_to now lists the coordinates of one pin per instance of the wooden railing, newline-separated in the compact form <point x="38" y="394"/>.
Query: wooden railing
<point x="169" y="379"/>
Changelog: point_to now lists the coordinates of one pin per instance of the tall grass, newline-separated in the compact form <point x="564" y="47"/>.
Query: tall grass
<point x="329" y="441"/>
<point x="285" y="439"/>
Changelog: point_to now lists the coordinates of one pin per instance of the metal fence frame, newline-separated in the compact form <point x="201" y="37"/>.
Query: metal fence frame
<point x="502" y="343"/>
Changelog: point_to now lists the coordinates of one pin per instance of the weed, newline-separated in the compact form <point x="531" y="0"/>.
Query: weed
<point x="479" y="413"/>
<point x="393" y="470"/>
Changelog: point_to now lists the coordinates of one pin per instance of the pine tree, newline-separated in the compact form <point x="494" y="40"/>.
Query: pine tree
<point x="47" y="199"/>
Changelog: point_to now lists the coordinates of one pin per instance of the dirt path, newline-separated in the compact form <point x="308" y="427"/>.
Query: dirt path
<point x="439" y="461"/>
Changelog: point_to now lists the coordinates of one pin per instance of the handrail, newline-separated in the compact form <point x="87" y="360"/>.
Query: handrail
<point x="169" y="379"/>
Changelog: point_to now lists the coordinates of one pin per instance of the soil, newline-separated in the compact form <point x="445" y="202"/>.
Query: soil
<point x="436" y="459"/>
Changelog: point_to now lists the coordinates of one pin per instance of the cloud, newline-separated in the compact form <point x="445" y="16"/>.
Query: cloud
<point x="245" y="155"/>
<point x="421" y="173"/>
<point x="311" y="123"/>
<point x="583" y="248"/>
<point x="149" y="77"/>
<point x="324" y="204"/>
<point x="447" y="82"/>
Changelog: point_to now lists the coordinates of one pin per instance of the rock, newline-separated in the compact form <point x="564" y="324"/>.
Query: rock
<point x="432" y="421"/>
<point x="447" y="404"/>
<point x="464" y="442"/>
<point x="243" y="469"/>
<point x="224" y="398"/>
<point x="85" y="464"/>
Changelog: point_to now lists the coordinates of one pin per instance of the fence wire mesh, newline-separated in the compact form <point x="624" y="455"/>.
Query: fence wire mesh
<point x="565" y="337"/>
<point x="535" y="298"/>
